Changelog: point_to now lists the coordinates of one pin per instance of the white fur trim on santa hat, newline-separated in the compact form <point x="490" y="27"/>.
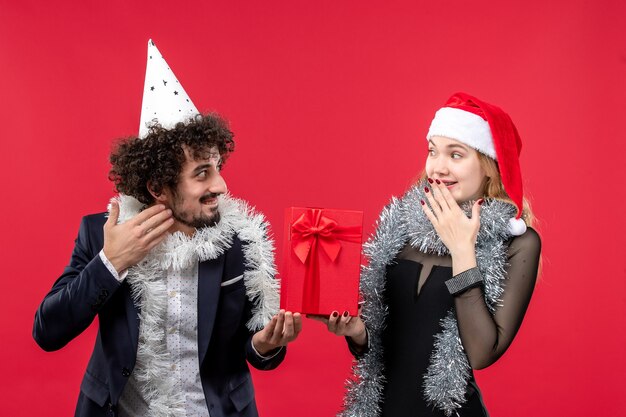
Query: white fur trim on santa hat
<point x="466" y="127"/>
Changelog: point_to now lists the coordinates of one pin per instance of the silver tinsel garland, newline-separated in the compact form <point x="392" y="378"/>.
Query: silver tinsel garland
<point x="403" y="221"/>
<point x="148" y="285"/>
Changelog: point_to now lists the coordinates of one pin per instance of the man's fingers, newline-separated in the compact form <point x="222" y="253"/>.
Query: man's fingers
<point x="156" y="220"/>
<point x="154" y="239"/>
<point x="270" y="327"/>
<point x="159" y="232"/>
<point x="278" y="328"/>
<point x="146" y="214"/>
<point x="114" y="214"/>
<point x="289" y="328"/>
<point x="297" y="322"/>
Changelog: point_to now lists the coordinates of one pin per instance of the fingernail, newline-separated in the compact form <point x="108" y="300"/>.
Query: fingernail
<point x="438" y="182"/>
<point x="335" y="314"/>
<point x="422" y="201"/>
<point x="345" y="314"/>
<point x="430" y="180"/>
<point x="480" y="202"/>
<point x="426" y="189"/>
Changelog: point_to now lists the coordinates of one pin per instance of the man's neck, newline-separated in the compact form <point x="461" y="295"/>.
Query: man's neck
<point x="183" y="228"/>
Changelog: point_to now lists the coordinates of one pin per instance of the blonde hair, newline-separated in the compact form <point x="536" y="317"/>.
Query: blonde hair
<point x="494" y="188"/>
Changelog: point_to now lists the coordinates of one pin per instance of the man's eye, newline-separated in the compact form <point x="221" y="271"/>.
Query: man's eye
<point x="202" y="174"/>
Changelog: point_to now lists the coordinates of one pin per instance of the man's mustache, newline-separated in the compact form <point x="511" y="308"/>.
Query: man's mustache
<point x="209" y="196"/>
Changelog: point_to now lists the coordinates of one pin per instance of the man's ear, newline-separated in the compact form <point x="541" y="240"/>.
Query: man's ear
<point x="159" y="196"/>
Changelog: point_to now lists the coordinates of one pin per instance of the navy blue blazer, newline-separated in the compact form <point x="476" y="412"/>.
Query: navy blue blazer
<point x="87" y="288"/>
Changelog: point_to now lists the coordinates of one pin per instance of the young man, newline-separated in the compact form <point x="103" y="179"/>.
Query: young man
<point x="180" y="275"/>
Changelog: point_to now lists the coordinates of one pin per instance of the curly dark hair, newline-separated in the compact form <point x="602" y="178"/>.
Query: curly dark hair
<point x="158" y="158"/>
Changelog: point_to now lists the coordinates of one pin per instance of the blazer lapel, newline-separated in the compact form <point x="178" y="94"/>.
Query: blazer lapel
<point x="209" y="279"/>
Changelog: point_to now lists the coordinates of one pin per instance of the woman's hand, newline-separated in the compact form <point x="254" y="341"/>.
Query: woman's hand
<point x="456" y="230"/>
<point x="344" y="325"/>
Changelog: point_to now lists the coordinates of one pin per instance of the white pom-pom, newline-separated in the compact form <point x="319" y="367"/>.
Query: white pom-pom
<point x="517" y="227"/>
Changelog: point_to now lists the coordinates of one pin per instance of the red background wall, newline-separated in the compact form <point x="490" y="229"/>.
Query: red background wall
<point x="330" y="102"/>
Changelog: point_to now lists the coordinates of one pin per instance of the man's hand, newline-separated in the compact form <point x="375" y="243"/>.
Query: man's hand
<point x="282" y="329"/>
<point x="128" y="243"/>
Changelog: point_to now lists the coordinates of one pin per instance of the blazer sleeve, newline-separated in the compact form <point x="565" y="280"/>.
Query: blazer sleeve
<point x="264" y="363"/>
<point x="80" y="292"/>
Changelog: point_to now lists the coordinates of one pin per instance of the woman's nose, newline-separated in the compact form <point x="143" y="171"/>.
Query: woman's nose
<point x="441" y="166"/>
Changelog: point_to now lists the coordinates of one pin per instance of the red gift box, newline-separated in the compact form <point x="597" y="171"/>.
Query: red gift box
<point x="321" y="261"/>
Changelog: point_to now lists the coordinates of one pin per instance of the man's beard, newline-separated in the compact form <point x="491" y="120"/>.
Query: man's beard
<point x="197" y="222"/>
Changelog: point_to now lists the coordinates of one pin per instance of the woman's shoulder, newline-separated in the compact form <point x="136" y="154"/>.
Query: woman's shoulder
<point x="529" y="242"/>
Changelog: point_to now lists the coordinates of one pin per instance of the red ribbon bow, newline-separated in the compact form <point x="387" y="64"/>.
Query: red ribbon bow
<point x="310" y="231"/>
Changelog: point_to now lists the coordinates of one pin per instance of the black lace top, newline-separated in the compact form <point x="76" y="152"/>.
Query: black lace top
<point x="418" y="299"/>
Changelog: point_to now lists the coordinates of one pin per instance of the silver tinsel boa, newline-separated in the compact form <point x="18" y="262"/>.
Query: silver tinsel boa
<point x="403" y="221"/>
<point x="149" y="289"/>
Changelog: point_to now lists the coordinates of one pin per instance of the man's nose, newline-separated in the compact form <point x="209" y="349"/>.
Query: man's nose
<point x="217" y="185"/>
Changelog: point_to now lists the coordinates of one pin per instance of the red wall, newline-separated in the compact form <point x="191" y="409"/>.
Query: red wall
<point x="330" y="102"/>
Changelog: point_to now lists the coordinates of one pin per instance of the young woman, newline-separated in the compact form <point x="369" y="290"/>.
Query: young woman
<point x="452" y="267"/>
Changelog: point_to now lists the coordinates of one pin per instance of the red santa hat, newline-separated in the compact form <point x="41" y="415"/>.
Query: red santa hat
<point x="489" y="130"/>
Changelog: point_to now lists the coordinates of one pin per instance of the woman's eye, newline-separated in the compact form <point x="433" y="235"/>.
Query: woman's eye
<point x="456" y="155"/>
<point x="431" y="152"/>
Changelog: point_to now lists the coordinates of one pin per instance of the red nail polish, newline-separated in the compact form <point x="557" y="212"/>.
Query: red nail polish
<point x="426" y="189"/>
<point x="335" y="314"/>
<point x="438" y="182"/>
<point x="345" y="314"/>
<point x="430" y="180"/>
<point x="480" y="202"/>
<point x="422" y="201"/>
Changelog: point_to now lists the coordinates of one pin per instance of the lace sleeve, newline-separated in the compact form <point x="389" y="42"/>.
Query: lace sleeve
<point x="485" y="336"/>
